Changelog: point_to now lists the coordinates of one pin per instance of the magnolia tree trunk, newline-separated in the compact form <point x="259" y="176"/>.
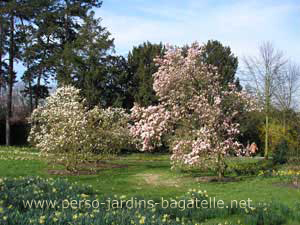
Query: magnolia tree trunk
<point x="220" y="171"/>
<point x="221" y="167"/>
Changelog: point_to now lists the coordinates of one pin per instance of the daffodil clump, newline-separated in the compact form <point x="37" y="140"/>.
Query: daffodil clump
<point x="14" y="192"/>
<point x="17" y="154"/>
<point x="280" y="173"/>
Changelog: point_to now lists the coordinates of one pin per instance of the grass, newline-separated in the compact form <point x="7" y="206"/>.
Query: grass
<point x="150" y="176"/>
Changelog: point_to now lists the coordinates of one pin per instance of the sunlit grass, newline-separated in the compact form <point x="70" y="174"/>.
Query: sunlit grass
<point x="149" y="175"/>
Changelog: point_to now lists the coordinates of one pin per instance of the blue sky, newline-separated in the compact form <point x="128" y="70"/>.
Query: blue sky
<point x="241" y="24"/>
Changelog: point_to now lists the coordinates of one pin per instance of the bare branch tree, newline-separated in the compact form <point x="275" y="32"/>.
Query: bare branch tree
<point x="288" y="87"/>
<point x="264" y="71"/>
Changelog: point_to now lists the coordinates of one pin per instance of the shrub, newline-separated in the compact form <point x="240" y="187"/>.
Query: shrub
<point x="66" y="128"/>
<point x="280" y="154"/>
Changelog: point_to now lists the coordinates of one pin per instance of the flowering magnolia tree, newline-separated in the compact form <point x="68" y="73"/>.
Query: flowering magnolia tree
<point x="108" y="130"/>
<point x="196" y="113"/>
<point x="64" y="127"/>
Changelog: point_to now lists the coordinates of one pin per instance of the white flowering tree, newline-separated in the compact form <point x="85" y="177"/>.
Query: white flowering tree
<point x="195" y="110"/>
<point x="66" y="129"/>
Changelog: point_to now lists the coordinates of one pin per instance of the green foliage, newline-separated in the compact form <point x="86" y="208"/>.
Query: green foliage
<point x="141" y="68"/>
<point x="279" y="131"/>
<point x="250" y="124"/>
<point x="116" y="92"/>
<point x="280" y="154"/>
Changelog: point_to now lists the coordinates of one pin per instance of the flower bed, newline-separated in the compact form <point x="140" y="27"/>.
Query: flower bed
<point x="14" y="192"/>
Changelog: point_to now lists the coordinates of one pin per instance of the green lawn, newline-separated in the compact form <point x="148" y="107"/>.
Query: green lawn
<point x="150" y="176"/>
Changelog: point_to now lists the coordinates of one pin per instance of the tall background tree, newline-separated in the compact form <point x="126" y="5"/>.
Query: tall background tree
<point x="3" y="47"/>
<point x="37" y="33"/>
<point x="37" y="56"/>
<point x="88" y="56"/>
<point x="141" y="67"/>
<point x="222" y="57"/>
<point x="3" y="62"/>
<point x="14" y="10"/>
<point x="119" y="83"/>
<point x="67" y="17"/>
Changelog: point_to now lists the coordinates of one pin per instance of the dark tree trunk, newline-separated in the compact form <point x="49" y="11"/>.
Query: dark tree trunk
<point x="10" y="82"/>
<point x="29" y="79"/>
<point x="1" y="50"/>
<point x="30" y="94"/>
<point x="38" y="85"/>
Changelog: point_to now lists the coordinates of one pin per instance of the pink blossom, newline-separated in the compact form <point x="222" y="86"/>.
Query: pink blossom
<point x="194" y="110"/>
